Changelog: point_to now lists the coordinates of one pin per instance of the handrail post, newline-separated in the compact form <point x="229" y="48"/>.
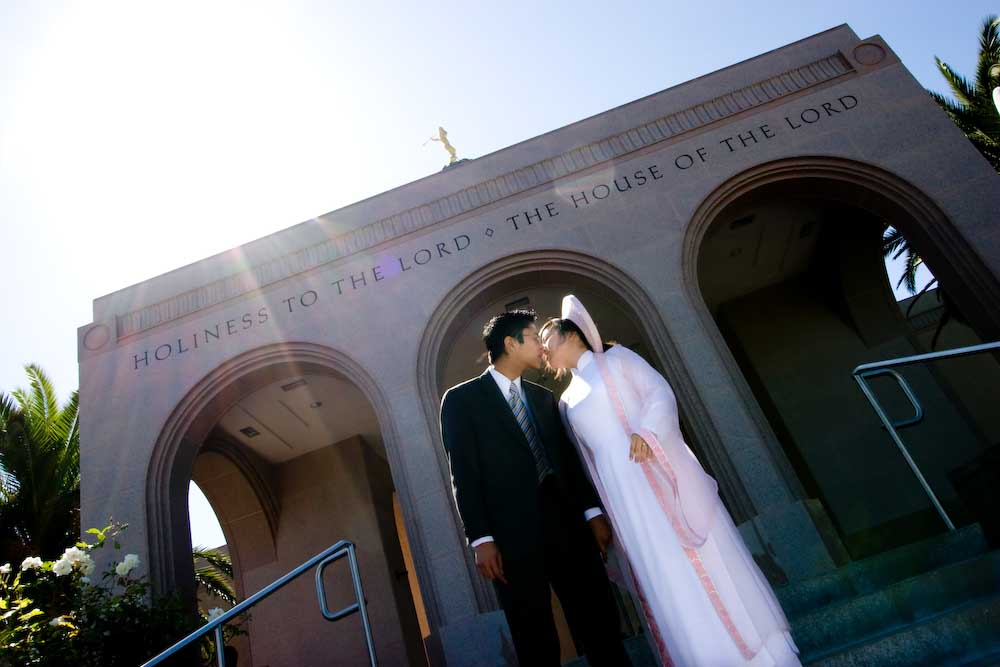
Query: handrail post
<point x="864" y="371"/>
<point x="890" y="427"/>
<point x="352" y="560"/>
<point x="918" y="410"/>
<point x="320" y="560"/>
<point x="360" y="604"/>
<point x="220" y="653"/>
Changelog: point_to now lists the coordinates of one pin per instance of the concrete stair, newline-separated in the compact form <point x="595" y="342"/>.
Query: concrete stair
<point x="871" y="574"/>
<point x="936" y="602"/>
<point x="951" y="638"/>
<point x="933" y="603"/>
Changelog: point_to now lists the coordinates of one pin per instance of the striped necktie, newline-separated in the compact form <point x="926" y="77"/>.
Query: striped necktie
<point x="524" y="421"/>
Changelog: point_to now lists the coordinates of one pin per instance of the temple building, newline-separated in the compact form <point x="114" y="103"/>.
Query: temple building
<point x="728" y="229"/>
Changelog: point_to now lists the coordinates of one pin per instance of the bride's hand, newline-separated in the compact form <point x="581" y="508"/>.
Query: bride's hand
<point x="640" y="451"/>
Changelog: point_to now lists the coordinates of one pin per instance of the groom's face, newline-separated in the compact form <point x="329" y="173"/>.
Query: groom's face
<point x="528" y="353"/>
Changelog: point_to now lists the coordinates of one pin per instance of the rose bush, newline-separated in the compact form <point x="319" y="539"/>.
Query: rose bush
<point x="51" y="614"/>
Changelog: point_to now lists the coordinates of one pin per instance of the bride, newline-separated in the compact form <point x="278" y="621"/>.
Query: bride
<point x="703" y="597"/>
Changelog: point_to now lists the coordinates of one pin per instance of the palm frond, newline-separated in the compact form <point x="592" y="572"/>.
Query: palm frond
<point x="216" y="559"/>
<point x="214" y="573"/>
<point x="215" y="583"/>
<point x="961" y="88"/>
<point x="67" y="424"/>
<point x="965" y="117"/>
<point x="910" y="266"/>
<point x="892" y="239"/>
<point x="43" y="393"/>
<point x="973" y="109"/>
<point x="989" y="54"/>
<point x="950" y="106"/>
<point x="40" y="458"/>
<point x="7" y="408"/>
<point x="8" y="487"/>
<point x="989" y="149"/>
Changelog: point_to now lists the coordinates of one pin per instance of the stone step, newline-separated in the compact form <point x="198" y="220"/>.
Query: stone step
<point x="871" y="574"/>
<point x="897" y="606"/>
<point x="946" y="639"/>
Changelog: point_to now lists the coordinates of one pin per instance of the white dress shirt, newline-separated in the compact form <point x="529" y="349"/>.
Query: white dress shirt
<point x="505" y="383"/>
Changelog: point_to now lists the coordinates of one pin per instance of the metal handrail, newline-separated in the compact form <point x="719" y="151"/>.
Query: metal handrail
<point x="319" y="561"/>
<point x="904" y="386"/>
<point x="865" y="371"/>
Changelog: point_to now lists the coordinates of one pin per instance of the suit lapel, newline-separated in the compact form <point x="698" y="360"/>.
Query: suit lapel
<point x="496" y="402"/>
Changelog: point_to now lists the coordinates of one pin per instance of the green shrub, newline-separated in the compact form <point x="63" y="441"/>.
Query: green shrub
<point x="56" y="613"/>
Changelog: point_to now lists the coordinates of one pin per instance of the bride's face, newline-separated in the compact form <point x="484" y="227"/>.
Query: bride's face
<point x="555" y="350"/>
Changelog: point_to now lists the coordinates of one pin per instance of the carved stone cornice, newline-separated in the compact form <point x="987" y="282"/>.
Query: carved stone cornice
<point x="488" y="192"/>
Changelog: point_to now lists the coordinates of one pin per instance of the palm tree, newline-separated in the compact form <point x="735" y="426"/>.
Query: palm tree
<point x="39" y="470"/>
<point x="213" y="573"/>
<point x="975" y="112"/>
<point x="895" y="245"/>
<point x="973" y="108"/>
<point x="40" y="482"/>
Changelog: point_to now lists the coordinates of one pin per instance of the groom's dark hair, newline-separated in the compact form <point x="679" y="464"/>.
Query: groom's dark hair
<point x="512" y="323"/>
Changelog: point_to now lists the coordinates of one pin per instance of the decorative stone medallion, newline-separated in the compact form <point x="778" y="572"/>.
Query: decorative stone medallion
<point x="96" y="337"/>
<point x="869" y="54"/>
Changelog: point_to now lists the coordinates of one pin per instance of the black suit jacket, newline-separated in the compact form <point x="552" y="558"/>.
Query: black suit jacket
<point x="493" y="470"/>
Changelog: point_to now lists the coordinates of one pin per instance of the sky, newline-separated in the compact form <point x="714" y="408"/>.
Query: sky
<point x="137" y="137"/>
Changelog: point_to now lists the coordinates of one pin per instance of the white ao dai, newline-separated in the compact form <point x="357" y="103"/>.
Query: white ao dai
<point x="709" y="604"/>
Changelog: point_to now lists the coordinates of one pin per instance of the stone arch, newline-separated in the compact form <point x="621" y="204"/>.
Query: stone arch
<point x="881" y="192"/>
<point x="221" y="463"/>
<point x="188" y="428"/>
<point x="474" y="292"/>
<point x="876" y="195"/>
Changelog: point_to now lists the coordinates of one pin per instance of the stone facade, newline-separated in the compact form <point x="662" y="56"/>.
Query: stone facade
<point x="382" y="294"/>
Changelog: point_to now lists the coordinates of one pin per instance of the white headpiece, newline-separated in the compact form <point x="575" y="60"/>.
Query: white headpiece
<point x="574" y="311"/>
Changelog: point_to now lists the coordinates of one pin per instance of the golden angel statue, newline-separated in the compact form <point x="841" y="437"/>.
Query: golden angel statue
<point x="443" y="138"/>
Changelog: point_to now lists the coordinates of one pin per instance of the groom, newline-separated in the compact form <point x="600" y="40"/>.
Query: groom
<point x="529" y="511"/>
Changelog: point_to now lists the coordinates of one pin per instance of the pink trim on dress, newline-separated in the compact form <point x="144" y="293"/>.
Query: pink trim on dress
<point x="661" y="646"/>
<point x="680" y="524"/>
<point x="720" y="608"/>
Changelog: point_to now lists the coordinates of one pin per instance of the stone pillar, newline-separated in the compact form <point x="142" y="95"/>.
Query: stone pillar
<point x="789" y="535"/>
<point x="461" y="635"/>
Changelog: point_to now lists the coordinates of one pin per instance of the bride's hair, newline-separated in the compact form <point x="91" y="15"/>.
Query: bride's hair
<point x="565" y="327"/>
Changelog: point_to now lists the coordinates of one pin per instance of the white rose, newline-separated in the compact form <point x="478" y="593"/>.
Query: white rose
<point x="214" y="613"/>
<point x="32" y="562"/>
<point x="5" y="568"/>
<point x="86" y="566"/>
<point x="74" y="555"/>
<point x="62" y="567"/>
<point x="129" y="563"/>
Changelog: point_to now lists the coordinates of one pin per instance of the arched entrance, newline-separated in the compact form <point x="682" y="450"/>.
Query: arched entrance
<point x="452" y="351"/>
<point x="785" y="262"/>
<point x="289" y="443"/>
